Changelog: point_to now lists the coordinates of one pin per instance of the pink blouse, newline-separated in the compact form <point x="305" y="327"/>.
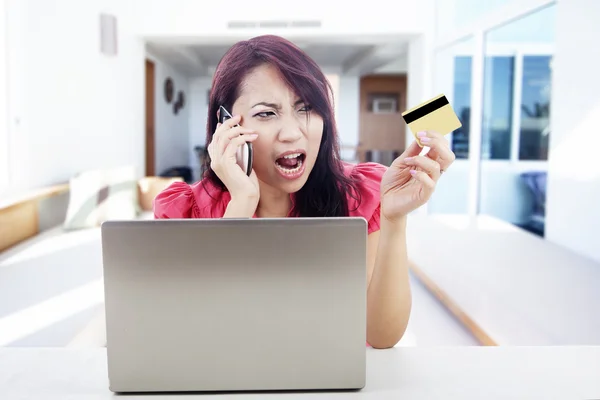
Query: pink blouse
<point x="182" y="200"/>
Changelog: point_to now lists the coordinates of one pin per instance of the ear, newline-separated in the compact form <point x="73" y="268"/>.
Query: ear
<point x="218" y="114"/>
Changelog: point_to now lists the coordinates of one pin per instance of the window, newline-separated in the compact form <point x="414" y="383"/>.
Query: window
<point x="497" y="108"/>
<point x="383" y="103"/>
<point x="515" y="123"/>
<point x="535" y="108"/>
<point x="462" y="105"/>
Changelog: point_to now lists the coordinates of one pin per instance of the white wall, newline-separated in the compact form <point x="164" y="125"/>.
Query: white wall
<point x="4" y="155"/>
<point x="180" y="18"/>
<point x="197" y="119"/>
<point x="398" y="66"/>
<point x="574" y="172"/>
<point x="420" y="74"/>
<point x="171" y="130"/>
<point x="348" y="113"/>
<point x="70" y="107"/>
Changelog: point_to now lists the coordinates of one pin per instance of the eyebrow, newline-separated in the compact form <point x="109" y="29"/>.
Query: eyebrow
<point x="274" y="105"/>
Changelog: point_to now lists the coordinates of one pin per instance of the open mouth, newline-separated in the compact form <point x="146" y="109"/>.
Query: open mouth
<point x="290" y="163"/>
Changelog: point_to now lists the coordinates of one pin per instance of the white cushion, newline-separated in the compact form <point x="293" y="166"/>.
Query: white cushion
<point x="100" y="195"/>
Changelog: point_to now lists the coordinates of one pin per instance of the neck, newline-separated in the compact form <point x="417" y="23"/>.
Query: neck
<point x="273" y="203"/>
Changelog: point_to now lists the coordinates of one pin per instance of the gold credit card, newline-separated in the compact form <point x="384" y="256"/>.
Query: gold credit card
<point x="433" y="115"/>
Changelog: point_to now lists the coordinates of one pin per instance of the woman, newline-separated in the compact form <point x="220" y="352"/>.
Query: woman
<point x="281" y="100"/>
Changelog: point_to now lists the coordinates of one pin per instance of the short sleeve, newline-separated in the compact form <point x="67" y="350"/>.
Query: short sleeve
<point x="368" y="177"/>
<point x="176" y="201"/>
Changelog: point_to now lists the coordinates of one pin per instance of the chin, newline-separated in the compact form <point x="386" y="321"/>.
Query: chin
<point x="292" y="187"/>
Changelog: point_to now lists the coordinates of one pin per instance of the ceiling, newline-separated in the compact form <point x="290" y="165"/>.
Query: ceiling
<point x="358" y="57"/>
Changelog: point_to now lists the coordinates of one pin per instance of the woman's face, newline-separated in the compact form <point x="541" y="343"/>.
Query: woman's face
<point x="288" y="140"/>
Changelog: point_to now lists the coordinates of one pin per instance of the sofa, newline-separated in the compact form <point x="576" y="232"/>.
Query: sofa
<point x="51" y="288"/>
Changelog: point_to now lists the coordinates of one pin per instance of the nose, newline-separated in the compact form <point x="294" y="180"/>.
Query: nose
<point x="290" y="130"/>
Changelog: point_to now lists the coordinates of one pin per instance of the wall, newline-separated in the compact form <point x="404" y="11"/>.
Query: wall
<point x="420" y="74"/>
<point x="348" y="113"/>
<point x="574" y="172"/>
<point x="181" y="18"/>
<point x="70" y="107"/>
<point x="4" y="155"/>
<point x="171" y="130"/>
<point x="197" y="119"/>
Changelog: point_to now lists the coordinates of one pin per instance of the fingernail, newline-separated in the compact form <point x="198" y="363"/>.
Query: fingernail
<point x="425" y="140"/>
<point x="253" y="135"/>
<point x="413" y="172"/>
<point x="422" y="134"/>
<point x="408" y="158"/>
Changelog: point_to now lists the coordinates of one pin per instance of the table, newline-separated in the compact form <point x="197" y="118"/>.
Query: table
<point x="397" y="373"/>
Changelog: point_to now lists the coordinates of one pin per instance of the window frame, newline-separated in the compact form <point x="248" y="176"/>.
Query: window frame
<point x="476" y="33"/>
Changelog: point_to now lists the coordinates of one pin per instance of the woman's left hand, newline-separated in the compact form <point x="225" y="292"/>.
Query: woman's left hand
<point x="411" y="179"/>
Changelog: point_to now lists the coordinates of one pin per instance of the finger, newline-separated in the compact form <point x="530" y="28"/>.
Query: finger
<point x="231" y="122"/>
<point x="439" y="148"/>
<point x="235" y="143"/>
<point x="412" y="150"/>
<point x="233" y="133"/>
<point x="425" y="179"/>
<point x="225" y="126"/>
<point x="431" y="167"/>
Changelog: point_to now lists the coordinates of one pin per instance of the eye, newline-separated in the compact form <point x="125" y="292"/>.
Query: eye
<point x="264" y="114"/>
<point x="306" y="108"/>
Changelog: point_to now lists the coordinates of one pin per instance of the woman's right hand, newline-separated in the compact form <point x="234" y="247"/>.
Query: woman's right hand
<point x="222" y="151"/>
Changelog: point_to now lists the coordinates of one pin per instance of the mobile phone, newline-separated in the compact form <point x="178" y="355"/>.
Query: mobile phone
<point x="244" y="155"/>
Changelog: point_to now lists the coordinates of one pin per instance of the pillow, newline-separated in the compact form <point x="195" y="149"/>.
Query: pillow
<point x="100" y="195"/>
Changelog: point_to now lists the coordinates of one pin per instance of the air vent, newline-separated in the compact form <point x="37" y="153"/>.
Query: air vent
<point x="241" y="24"/>
<point x="273" y="24"/>
<point x="306" y="24"/>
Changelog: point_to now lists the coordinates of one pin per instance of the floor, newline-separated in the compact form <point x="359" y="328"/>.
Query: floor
<point x="431" y="324"/>
<point x="518" y="288"/>
<point x="45" y="301"/>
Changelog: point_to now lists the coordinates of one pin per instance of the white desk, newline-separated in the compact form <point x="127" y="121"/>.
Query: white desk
<point x="399" y="373"/>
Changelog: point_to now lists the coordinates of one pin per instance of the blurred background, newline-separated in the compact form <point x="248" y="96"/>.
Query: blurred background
<point x="103" y="103"/>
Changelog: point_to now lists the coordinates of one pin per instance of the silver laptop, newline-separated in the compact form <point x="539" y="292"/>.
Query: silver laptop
<point x="235" y="304"/>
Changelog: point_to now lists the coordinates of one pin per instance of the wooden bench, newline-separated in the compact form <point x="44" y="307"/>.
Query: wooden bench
<point x="507" y="286"/>
<point x="22" y="217"/>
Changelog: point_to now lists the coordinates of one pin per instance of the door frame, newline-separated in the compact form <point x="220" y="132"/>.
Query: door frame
<point x="150" y="134"/>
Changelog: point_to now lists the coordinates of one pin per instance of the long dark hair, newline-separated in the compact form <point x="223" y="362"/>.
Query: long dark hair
<point x="324" y="193"/>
